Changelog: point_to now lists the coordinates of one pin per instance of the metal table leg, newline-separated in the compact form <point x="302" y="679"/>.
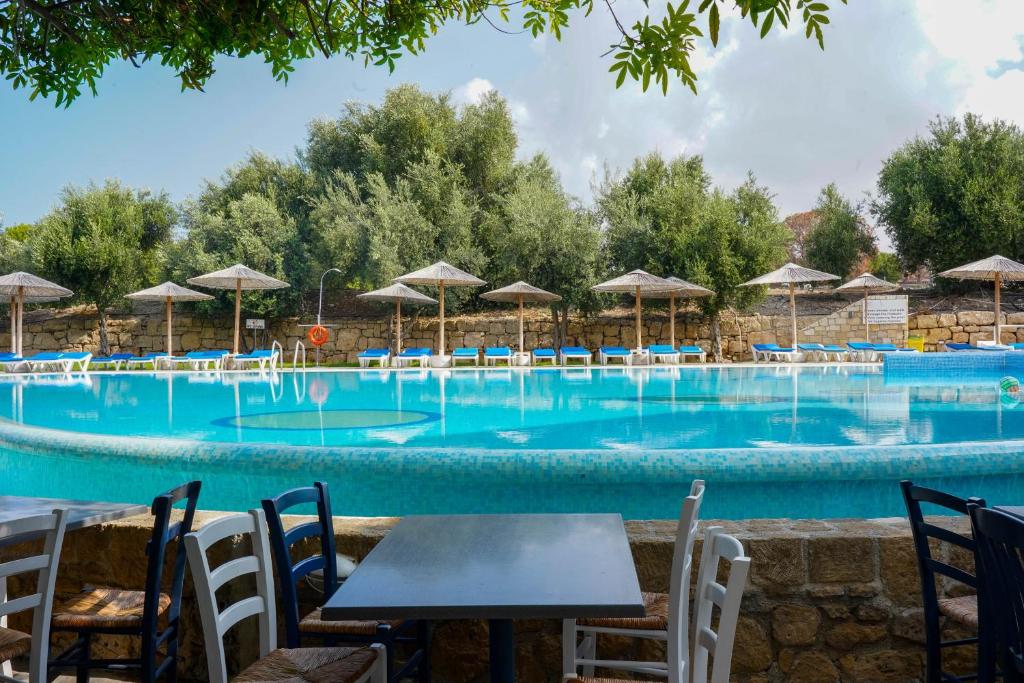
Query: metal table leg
<point x="502" y="650"/>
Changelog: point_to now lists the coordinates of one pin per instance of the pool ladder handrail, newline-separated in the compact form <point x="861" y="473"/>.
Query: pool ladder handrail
<point x="295" y="356"/>
<point x="279" y="356"/>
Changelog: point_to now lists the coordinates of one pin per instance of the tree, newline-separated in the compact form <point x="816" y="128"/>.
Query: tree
<point x="665" y="218"/>
<point x="103" y="242"/>
<point x="956" y="195"/>
<point x="56" y="47"/>
<point x="886" y="266"/>
<point x="840" y="238"/>
<point x="547" y="240"/>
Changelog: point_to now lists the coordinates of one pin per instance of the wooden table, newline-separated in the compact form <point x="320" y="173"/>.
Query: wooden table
<point x="495" y="567"/>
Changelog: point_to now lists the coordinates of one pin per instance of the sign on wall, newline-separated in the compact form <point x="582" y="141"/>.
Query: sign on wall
<point x="888" y="311"/>
<point x="255" y="324"/>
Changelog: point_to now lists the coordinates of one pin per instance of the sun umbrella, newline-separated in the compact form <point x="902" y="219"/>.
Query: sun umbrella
<point x="398" y="293"/>
<point x="684" y="289"/>
<point x="440" y="275"/>
<point x="22" y="287"/>
<point x="638" y="282"/>
<point x="520" y="292"/>
<point x="237" y="277"/>
<point x="865" y="283"/>
<point x="168" y="292"/>
<point x="791" y="274"/>
<point x="14" y="310"/>
<point x="996" y="268"/>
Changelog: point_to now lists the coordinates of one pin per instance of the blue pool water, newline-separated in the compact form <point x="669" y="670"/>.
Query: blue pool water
<point x="771" y="441"/>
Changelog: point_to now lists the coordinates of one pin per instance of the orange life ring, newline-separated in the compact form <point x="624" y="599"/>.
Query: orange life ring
<point x="318" y="335"/>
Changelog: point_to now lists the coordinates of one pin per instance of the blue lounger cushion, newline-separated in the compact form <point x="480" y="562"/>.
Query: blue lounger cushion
<point x="466" y="352"/>
<point x="574" y="351"/>
<point x="416" y="352"/>
<point x="498" y="351"/>
<point x="374" y="353"/>
<point x="612" y="351"/>
<point x="690" y="349"/>
<point x="662" y="349"/>
<point x="544" y="353"/>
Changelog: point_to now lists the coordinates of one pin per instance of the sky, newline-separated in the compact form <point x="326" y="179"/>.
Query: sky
<point x="795" y="116"/>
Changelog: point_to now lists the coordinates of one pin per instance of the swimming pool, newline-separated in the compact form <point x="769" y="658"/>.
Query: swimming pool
<point x="772" y="441"/>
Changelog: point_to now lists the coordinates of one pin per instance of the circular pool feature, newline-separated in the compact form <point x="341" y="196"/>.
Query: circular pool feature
<point x="771" y="441"/>
<point x="325" y="420"/>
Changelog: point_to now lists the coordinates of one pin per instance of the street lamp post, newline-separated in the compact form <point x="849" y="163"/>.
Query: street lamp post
<point x="320" y="306"/>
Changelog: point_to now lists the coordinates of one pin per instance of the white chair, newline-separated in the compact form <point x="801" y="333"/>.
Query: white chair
<point x="15" y="643"/>
<point x="342" y="664"/>
<point x="707" y="642"/>
<point x="667" y="615"/>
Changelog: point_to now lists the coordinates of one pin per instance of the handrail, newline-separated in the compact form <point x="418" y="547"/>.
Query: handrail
<point x="295" y="356"/>
<point x="280" y="355"/>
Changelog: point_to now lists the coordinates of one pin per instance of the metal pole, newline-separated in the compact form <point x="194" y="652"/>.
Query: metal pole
<point x="320" y="305"/>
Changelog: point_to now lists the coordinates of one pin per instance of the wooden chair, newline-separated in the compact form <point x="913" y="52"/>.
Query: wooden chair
<point x="710" y="597"/>
<point x="667" y="616"/>
<point x="291" y="570"/>
<point x="962" y="610"/>
<point x="341" y="665"/>
<point x="1000" y="538"/>
<point x="104" y="610"/>
<point x="15" y="643"/>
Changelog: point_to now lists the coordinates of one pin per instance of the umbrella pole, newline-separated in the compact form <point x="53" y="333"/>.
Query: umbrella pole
<point x="21" y="320"/>
<point x="14" y="325"/>
<point x="521" y="345"/>
<point x="398" y="326"/>
<point x="792" y="310"/>
<point x="864" y="313"/>
<point x="997" y="337"/>
<point x="440" y="299"/>
<point x="672" y="319"/>
<point x="170" y="312"/>
<point x="238" y="312"/>
<point x="639" y="345"/>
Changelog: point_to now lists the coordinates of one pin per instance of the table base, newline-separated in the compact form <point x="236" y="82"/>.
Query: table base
<point x="502" y="650"/>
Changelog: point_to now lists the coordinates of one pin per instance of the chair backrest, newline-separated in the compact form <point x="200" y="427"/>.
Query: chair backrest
<point x="156" y="552"/>
<point x="51" y="527"/>
<point x="679" y="589"/>
<point x="1000" y="539"/>
<point x="289" y="572"/>
<point x="922" y="532"/>
<point x="707" y="642"/>
<point x="216" y="622"/>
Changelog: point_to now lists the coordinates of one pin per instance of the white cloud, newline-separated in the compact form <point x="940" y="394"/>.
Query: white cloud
<point x="472" y="92"/>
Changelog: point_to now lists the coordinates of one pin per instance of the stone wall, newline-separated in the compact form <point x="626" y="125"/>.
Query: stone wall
<point x="827" y="600"/>
<point x="77" y="329"/>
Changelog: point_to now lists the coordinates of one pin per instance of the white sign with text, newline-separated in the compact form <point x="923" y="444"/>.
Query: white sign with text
<point x="887" y="311"/>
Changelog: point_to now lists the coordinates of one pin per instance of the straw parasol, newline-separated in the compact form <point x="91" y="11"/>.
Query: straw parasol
<point x="237" y="277"/>
<point x="168" y="292"/>
<point x="684" y="289"/>
<point x="397" y="293"/>
<point x="638" y="282"/>
<point x="440" y="275"/>
<point x="519" y="293"/>
<point x="866" y="283"/>
<point x="791" y="274"/>
<point x="22" y="287"/>
<point x="996" y="268"/>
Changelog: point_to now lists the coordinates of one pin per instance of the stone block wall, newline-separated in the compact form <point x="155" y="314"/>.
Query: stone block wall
<point x="833" y="600"/>
<point x="966" y="327"/>
<point x="847" y="324"/>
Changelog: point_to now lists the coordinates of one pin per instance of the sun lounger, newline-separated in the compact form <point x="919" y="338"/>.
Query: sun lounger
<point x="664" y="353"/>
<point x="114" y="360"/>
<point x="466" y="353"/>
<point x="770" y="352"/>
<point x="153" y="358"/>
<point x="496" y="354"/>
<point x="60" y="361"/>
<point x="692" y="351"/>
<point x="198" y="360"/>
<point x="538" y="356"/>
<point x="370" y="356"/>
<point x="836" y="352"/>
<point x="607" y="354"/>
<point x="258" y="357"/>
<point x="567" y="353"/>
<point x="892" y="348"/>
<point x="813" y="351"/>
<point x="420" y="354"/>
<point x="863" y="351"/>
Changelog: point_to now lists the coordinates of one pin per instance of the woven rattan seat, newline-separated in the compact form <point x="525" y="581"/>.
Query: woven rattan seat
<point x="962" y="610"/>
<point x="655" y="607"/>
<point x="104" y="608"/>
<point x="312" y="664"/>
<point x="13" y="644"/>
<point x="313" y="623"/>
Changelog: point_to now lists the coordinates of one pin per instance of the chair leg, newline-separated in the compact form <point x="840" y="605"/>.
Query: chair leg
<point x="424" y="634"/>
<point x="568" y="647"/>
<point x="82" y="670"/>
<point x="589" y="647"/>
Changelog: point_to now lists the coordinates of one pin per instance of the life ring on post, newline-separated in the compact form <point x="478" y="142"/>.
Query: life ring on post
<point x="318" y="335"/>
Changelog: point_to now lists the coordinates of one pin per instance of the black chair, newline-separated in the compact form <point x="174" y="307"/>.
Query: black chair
<point x="102" y="610"/>
<point x="1000" y="539"/>
<point x="962" y="610"/>
<point x="290" y="572"/>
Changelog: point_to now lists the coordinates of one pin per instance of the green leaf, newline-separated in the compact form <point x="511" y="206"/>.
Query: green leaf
<point x="713" y="24"/>
<point x="767" y="25"/>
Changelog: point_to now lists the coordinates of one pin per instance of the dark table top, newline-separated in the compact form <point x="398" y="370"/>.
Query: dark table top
<point x="81" y="513"/>
<point x="494" y="567"/>
<point x="1012" y="509"/>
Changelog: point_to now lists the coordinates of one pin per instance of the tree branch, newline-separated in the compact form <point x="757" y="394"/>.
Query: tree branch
<point x="47" y="16"/>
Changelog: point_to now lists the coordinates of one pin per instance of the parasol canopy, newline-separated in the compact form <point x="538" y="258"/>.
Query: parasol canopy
<point x="637" y="282"/>
<point x="397" y="293"/>
<point x="238" y="278"/>
<point x="168" y="292"/>
<point x="865" y="283"/>
<point x="995" y="268"/>
<point x="440" y="275"/>
<point x="22" y="287"/>
<point x="519" y="293"/>
<point x="791" y="274"/>
<point x="684" y="289"/>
